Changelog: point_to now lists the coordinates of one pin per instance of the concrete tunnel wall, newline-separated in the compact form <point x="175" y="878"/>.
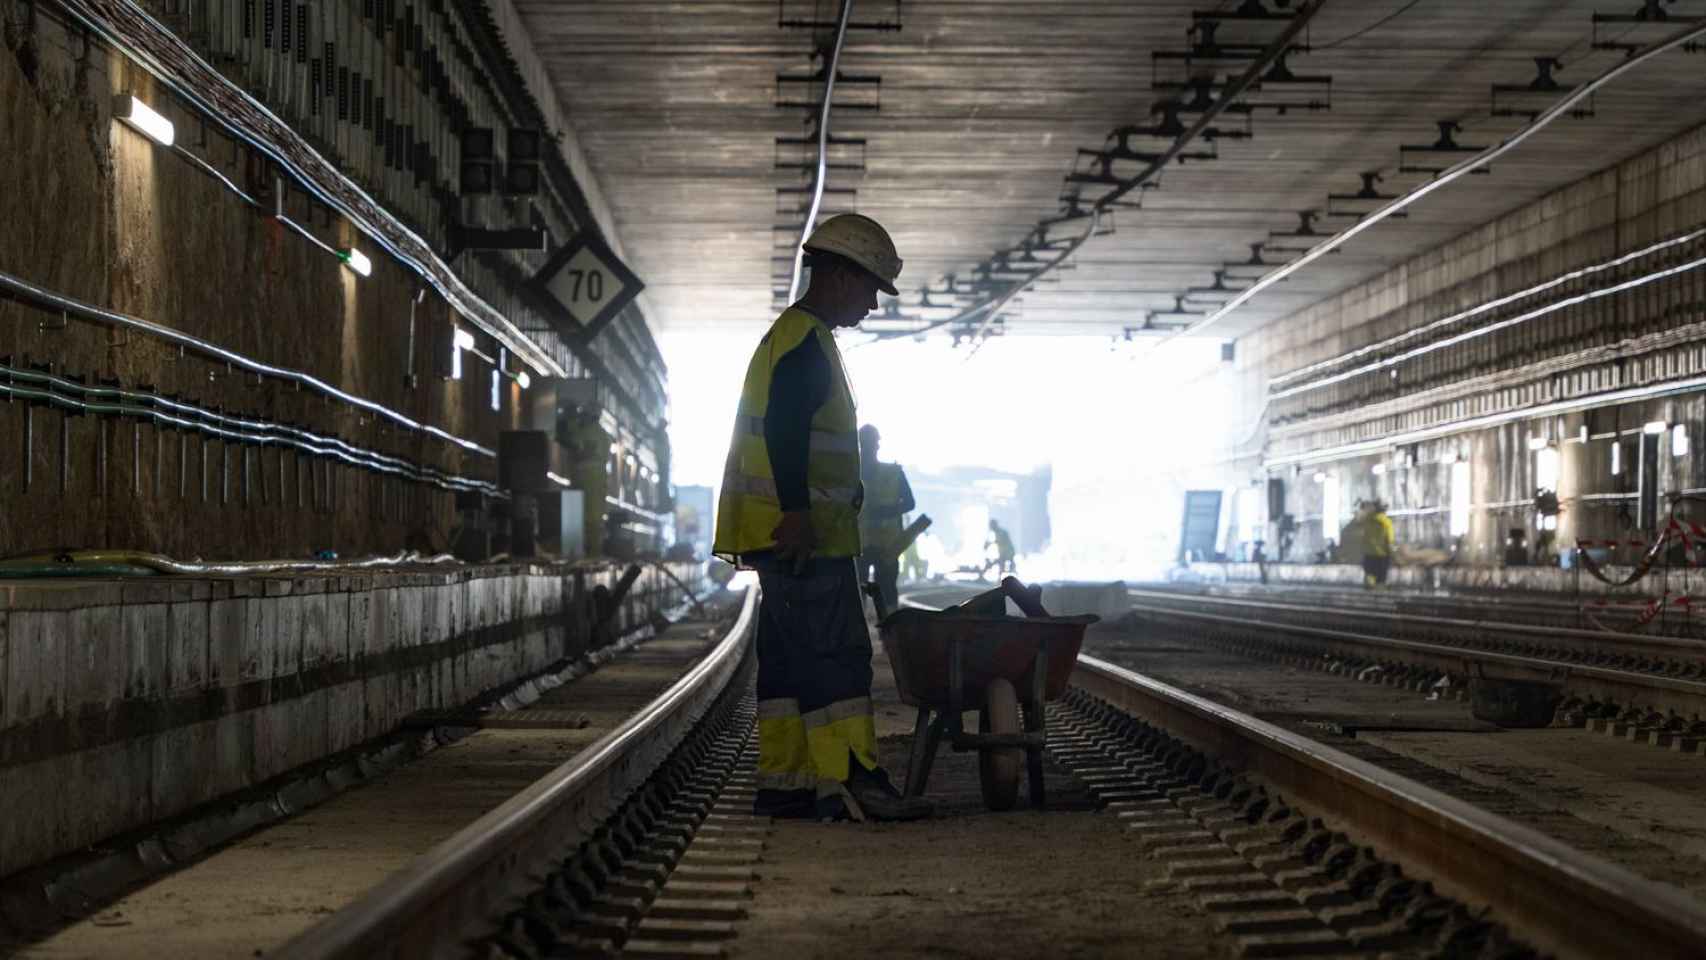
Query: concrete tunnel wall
<point x="125" y="703"/>
<point x="1657" y="194"/>
<point x="96" y="211"/>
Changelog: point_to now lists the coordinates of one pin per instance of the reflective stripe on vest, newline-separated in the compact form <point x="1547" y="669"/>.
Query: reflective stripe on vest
<point x="764" y="487"/>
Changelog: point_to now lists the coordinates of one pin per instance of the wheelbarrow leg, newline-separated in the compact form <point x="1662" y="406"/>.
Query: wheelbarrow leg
<point x="926" y="740"/>
<point x="1035" y="723"/>
<point x="917" y="764"/>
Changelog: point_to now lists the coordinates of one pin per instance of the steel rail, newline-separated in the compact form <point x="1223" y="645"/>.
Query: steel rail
<point x="1623" y="644"/>
<point x="1619" y="686"/>
<point x="1553" y="896"/>
<point x="822" y="173"/>
<point x="1447" y="176"/>
<point x="432" y="907"/>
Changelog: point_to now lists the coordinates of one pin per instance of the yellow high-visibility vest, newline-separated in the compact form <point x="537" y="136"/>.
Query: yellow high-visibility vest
<point x="882" y="489"/>
<point x="747" y="509"/>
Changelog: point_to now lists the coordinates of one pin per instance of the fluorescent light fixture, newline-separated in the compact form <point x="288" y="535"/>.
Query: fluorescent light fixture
<point x="1379" y="469"/>
<point x="1655" y="427"/>
<point x="356" y="261"/>
<point x="1616" y="457"/>
<point x="1538" y="443"/>
<point x="560" y="481"/>
<point x="141" y="117"/>
<point x="1450" y="457"/>
<point x="1679" y="440"/>
<point x="523" y="379"/>
<point x="1320" y="478"/>
<point x="464" y="339"/>
<point x="1582" y="435"/>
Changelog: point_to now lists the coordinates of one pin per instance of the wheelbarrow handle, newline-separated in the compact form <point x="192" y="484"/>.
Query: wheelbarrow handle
<point x="1027" y="599"/>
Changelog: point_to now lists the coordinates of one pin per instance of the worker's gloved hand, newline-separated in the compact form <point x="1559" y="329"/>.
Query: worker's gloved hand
<point x="795" y="540"/>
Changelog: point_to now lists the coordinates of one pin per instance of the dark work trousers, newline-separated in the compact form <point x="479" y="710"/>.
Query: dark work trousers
<point x="1375" y="569"/>
<point x="814" y="679"/>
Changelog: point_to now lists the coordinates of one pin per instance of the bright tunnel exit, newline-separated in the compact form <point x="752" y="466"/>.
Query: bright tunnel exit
<point x="1116" y="435"/>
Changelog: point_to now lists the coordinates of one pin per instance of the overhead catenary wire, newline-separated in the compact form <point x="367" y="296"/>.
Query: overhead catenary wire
<point x="831" y="66"/>
<point x="1446" y="177"/>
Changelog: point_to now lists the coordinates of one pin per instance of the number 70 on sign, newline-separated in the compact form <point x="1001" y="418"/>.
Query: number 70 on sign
<point x="589" y="282"/>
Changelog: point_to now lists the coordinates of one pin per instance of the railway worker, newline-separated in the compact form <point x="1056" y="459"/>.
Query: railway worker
<point x="1002" y="541"/>
<point x="789" y="509"/>
<point x="1378" y="542"/>
<point x="888" y="499"/>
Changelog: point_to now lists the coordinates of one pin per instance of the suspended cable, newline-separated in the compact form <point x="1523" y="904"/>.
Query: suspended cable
<point x="1450" y="175"/>
<point x="831" y="66"/>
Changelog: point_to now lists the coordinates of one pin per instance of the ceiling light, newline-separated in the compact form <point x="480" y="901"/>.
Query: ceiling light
<point x="1538" y="443"/>
<point x="464" y="339"/>
<point x="1379" y="469"/>
<point x="141" y="117"/>
<point x="1679" y="440"/>
<point x="1655" y="427"/>
<point x="523" y="379"/>
<point x="1320" y="478"/>
<point x="356" y="261"/>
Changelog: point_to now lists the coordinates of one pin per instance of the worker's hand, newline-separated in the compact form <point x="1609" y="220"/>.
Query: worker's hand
<point x="795" y="540"/>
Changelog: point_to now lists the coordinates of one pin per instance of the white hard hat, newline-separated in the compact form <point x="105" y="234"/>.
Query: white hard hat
<point x="863" y="241"/>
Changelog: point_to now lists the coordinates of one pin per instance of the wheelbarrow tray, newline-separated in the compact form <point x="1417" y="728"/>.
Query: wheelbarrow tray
<point x="918" y="644"/>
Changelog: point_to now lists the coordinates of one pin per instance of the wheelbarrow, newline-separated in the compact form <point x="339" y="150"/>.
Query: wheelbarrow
<point x="975" y="657"/>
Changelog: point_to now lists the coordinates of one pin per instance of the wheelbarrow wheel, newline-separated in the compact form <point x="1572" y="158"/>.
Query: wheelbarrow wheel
<point x="999" y="767"/>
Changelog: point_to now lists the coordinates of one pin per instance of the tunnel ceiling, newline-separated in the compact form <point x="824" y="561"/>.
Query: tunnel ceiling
<point x="983" y="106"/>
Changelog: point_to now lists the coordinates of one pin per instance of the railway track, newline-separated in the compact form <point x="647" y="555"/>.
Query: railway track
<point x="641" y="843"/>
<point x="1647" y="688"/>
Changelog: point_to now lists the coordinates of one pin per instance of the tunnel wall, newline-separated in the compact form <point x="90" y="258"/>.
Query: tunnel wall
<point x="1644" y="338"/>
<point x="96" y="211"/>
<point x="128" y="702"/>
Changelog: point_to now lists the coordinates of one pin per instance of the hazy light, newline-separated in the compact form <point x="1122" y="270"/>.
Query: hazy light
<point x="357" y="261"/>
<point x="523" y="379"/>
<point x="1378" y="469"/>
<point x="1538" y="443"/>
<point x="1655" y="427"/>
<point x="141" y="117"/>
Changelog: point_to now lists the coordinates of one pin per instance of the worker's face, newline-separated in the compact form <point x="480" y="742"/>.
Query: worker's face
<point x="856" y="296"/>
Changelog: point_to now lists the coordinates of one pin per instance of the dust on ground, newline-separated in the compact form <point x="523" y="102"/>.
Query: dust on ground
<point x="1061" y="882"/>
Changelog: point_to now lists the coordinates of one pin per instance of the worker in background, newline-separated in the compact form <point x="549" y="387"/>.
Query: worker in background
<point x="912" y="565"/>
<point x="789" y="509"/>
<point x="1377" y="543"/>
<point x="1003" y="544"/>
<point x="888" y="498"/>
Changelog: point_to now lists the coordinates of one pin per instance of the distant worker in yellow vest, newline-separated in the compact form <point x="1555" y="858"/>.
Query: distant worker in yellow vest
<point x="1377" y="543"/>
<point x="888" y="499"/>
<point x="789" y="509"/>
<point x="913" y="566"/>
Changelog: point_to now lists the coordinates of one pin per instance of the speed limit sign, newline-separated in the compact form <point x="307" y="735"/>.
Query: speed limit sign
<point x="589" y="281"/>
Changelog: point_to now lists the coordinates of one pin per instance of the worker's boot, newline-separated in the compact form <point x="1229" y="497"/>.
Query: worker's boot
<point x="874" y="797"/>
